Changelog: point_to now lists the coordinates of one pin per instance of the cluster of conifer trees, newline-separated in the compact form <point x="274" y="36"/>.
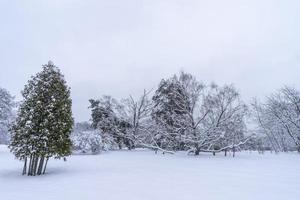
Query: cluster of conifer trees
<point x="44" y="121"/>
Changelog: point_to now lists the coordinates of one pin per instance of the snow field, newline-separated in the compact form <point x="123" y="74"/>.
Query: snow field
<point x="144" y="175"/>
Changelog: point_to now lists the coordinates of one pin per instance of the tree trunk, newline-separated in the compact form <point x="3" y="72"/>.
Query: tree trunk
<point x="233" y="150"/>
<point x="214" y="153"/>
<point x="133" y="145"/>
<point x="197" y="152"/>
<point x="225" y="152"/>
<point x="41" y="164"/>
<point x="35" y="165"/>
<point x="30" y="166"/>
<point x="25" y="166"/>
<point x="45" y="167"/>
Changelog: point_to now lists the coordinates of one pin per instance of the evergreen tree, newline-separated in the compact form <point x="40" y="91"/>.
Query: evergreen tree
<point x="44" y="122"/>
<point x="170" y="112"/>
<point x="6" y="114"/>
<point x="105" y="119"/>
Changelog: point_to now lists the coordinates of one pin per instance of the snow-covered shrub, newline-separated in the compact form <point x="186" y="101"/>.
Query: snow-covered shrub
<point x="88" y="141"/>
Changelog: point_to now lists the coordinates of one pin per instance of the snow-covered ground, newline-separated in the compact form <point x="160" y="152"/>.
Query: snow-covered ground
<point x="143" y="175"/>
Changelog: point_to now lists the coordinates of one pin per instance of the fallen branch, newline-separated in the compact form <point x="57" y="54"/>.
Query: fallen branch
<point x="156" y="148"/>
<point x="227" y="147"/>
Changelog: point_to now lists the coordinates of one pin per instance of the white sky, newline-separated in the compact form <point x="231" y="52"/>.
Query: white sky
<point x="120" y="47"/>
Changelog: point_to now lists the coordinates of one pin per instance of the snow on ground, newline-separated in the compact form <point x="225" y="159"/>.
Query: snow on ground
<point x="143" y="175"/>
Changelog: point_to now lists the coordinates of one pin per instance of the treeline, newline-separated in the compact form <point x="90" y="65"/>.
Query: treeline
<point x="184" y="114"/>
<point x="181" y="114"/>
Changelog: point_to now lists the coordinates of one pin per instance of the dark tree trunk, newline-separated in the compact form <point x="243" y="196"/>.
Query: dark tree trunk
<point x="133" y="146"/>
<point x="233" y="150"/>
<point x="41" y="164"/>
<point x="35" y="165"/>
<point x="30" y="166"/>
<point x="214" y="153"/>
<point x="197" y="152"/>
<point x="225" y="152"/>
<point x="45" y="167"/>
<point x="25" y="166"/>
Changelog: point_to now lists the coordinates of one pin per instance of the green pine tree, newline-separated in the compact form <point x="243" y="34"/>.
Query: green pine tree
<point x="44" y="122"/>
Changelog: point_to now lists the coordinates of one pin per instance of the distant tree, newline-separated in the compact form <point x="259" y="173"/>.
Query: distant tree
<point x="195" y="92"/>
<point x="136" y="113"/>
<point x="192" y="116"/>
<point x="44" y="122"/>
<point x="7" y="105"/>
<point x="171" y="107"/>
<point x="224" y="126"/>
<point x="279" y="119"/>
<point x="106" y="118"/>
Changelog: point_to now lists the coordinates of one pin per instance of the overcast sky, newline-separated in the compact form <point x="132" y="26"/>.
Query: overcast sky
<point x="120" y="47"/>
